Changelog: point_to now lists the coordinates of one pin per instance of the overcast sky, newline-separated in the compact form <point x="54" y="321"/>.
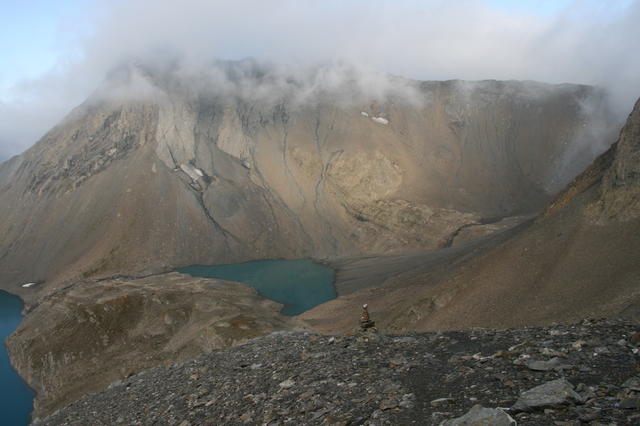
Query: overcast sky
<point x="53" y="54"/>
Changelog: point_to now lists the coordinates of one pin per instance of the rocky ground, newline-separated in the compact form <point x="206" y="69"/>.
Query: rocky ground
<point x="80" y="340"/>
<point x="586" y="373"/>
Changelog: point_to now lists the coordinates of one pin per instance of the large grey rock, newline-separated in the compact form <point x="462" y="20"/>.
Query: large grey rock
<point x="632" y="384"/>
<point x="552" y="364"/>
<point x="549" y="395"/>
<point x="481" y="416"/>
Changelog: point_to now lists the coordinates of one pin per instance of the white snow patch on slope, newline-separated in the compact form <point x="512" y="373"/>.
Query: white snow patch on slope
<point x="191" y="171"/>
<point x="380" y="120"/>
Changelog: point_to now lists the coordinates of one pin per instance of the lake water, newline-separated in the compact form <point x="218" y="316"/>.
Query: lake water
<point x="298" y="284"/>
<point x="16" y="399"/>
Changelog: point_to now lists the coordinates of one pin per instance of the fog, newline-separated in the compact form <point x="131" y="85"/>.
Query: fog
<point x="587" y="42"/>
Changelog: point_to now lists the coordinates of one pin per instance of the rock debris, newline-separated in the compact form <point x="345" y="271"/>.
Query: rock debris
<point x="479" y="376"/>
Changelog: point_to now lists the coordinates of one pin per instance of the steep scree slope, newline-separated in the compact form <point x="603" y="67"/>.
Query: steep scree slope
<point x="580" y="258"/>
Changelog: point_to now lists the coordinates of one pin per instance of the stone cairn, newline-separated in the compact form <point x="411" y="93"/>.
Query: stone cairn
<point x="366" y="324"/>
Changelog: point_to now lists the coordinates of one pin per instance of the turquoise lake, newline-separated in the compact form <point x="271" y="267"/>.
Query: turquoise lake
<point x="16" y="399"/>
<point x="298" y="284"/>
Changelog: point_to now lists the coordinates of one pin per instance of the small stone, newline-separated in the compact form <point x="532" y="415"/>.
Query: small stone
<point x="441" y="402"/>
<point x="397" y="362"/>
<point x="601" y="350"/>
<point x="579" y="344"/>
<point x="630" y="403"/>
<point x="552" y="352"/>
<point x="552" y="364"/>
<point x="306" y="395"/>
<point x="587" y="415"/>
<point x="405" y="340"/>
<point x="287" y="384"/>
<point x="388" y="404"/>
<point x="585" y="392"/>
<point x="479" y="416"/>
<point x="406" y="403"/>
<point x="552" y="394"/>
<point x="635" y="338"/>
<point x="632" y="384"/>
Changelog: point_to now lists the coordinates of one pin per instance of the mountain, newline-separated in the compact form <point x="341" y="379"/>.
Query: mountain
<point x="415" y="192"/>
<point x="580" y="258"/>
<point x="164" y="167"/>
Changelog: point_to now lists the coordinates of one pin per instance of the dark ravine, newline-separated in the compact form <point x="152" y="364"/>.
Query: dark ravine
<point x="370" y="379"/>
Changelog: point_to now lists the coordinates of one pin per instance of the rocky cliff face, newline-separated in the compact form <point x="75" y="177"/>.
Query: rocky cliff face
<point x="159" y="170"/>
<point x="580" y="258"/>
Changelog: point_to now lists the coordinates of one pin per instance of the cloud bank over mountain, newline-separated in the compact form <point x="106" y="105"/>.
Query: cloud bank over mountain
<point x="585" y="42"/>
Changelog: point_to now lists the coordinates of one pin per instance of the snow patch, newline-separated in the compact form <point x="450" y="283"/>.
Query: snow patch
<point x="27" y="285"/>
<point x="364" y="114"/>
<point x="380" y="120"/>
<point x="191" y="171"/>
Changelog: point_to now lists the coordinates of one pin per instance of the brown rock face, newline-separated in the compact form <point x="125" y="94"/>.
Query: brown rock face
<point x="85" y="338"/>
<point x="580" y="258"/>
<point x="188" y="171"/>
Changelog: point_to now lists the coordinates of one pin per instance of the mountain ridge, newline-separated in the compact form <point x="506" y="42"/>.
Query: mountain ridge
<point x="578" y="259"/>
<point x="147" y="178"/>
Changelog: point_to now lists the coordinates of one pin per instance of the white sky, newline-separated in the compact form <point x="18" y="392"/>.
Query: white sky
<point x="53" y="54"/>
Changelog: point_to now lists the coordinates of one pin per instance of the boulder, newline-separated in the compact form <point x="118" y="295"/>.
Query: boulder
<point x="481" y="416"/>
<point x="549" y="395"/>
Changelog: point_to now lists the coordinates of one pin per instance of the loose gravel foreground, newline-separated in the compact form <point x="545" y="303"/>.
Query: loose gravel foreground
<point x="586" y="373"/>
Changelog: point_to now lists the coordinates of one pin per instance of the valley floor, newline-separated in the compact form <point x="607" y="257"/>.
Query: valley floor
<point x="375" y="379"/>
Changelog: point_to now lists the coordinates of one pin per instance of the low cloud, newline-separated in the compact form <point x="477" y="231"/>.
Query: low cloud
<point x="587" y="42"/>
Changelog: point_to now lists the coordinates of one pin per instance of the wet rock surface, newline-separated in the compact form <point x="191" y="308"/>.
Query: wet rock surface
<point x="372" y="379"/>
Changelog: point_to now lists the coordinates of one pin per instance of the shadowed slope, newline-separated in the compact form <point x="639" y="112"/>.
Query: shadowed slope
<point x="581" y="258"/>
